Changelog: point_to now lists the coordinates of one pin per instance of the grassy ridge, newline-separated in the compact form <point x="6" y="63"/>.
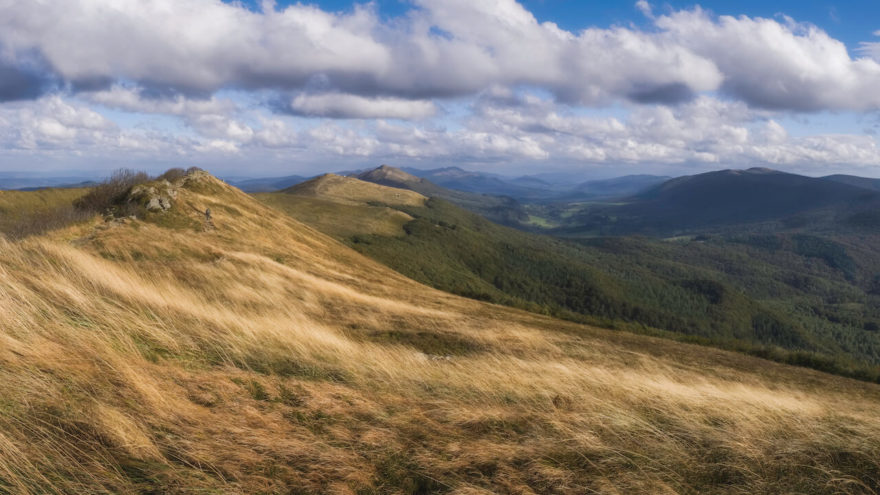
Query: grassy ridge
<point x="259" y="356"/>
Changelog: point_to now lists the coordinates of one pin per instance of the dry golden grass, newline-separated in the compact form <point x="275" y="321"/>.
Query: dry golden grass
<point x="24" y="213"/>
<point x="347" y="190"/>
<point x="339" y="220"/>
<point x="262" y="357"/>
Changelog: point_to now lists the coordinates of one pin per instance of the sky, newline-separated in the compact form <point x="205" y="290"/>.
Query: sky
<point x="252" y="88"/>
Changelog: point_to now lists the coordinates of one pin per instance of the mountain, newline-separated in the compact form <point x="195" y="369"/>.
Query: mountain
<point x="728" y="200"/>
<point x="345" y="190"/>
<point x="346" y="207"/>
<point x="501" y="209"/>
<point x="733" y="197"/>
<point x="267" y="184"/>
<point x="483" y="183"/>
<point x="21" y="181"/>
<point x="852" y="180"/>
<point x="525" y="189"/>
<point x="249" y="353"/>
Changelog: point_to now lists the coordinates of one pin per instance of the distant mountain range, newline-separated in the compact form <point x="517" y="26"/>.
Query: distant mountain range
<point x="632" y="204"/>
<point x="267" y="184"/>
<point x="524" y="189"/>
<point x="726" y="198"/>
<point x="534" y="188"/>
<point x="10" y="181"/>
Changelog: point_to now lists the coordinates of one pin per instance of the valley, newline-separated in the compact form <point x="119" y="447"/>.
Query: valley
<point x="793" y="296"/>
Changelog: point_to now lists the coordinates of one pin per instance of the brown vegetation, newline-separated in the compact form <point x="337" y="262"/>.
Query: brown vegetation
<point x="110" y="195"/>
<point x="262" y="357"/>
<point x="27" y="213"/>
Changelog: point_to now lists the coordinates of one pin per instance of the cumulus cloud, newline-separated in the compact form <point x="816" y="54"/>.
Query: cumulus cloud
<point x="134" y="100"/>
<point x="440" y="48"/>
<point x="55" y="125"/>
<point x="504" y="126"/>
<point x="336" y="105"/>
<point x="707" y="131"/>
<point x="777" y="64"/>
<point x="645" y="8"/>
<point x="479" y="81"/>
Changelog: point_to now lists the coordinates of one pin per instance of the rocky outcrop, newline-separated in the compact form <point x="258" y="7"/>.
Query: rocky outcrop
<point x="155" y="196"/>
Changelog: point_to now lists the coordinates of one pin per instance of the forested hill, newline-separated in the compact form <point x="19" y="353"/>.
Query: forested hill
<point x="799" y="298"/>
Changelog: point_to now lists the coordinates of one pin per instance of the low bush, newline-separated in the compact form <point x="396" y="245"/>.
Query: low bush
<point x="108" y="196"/>
<point x="173" y="174"/>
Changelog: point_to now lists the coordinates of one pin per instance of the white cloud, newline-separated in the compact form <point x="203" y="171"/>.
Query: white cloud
<point x="504" y="127"/>
<point x="645" y="8"/>
<point x="779" y="65"/>
<point x="205" y="45"/>
<point x="693" y="88"/>
<point x="133" y="100"/>
<point x="440" y="48"/>
<point x="222" y="127"/>
<point x="336" y="105"/>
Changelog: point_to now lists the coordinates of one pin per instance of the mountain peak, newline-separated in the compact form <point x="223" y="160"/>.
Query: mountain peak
<point x="351" y="190"/>
<point x="387" y="173"/>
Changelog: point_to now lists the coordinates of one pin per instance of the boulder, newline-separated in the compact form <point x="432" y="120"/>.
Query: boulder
<point x="155" y="197"/>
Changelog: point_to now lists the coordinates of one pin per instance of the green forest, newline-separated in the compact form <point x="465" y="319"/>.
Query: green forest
<point x="796" y="298"/>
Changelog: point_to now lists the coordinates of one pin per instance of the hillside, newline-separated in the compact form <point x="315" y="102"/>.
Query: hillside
<point x="24" y="213"/>
<point x="503" y="210"/>
<point x="812" y="296"/>
<point x="852" y="180"/>
<point x="347" y="207"/>
<point x="344" y="190"/>
<point x="254" y="355"/>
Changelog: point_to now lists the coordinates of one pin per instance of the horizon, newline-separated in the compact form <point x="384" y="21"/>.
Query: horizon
<point x="505" y="87"/>
<point x="18" y="180"/>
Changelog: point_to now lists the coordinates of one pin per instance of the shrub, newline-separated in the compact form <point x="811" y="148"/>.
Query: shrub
<point x="108" y="196"/>
<point x="173" y="174"/>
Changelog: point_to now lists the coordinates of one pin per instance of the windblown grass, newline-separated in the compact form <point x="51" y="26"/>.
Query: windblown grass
<point x="26" y="213"/>
<point x="262" y="357"/>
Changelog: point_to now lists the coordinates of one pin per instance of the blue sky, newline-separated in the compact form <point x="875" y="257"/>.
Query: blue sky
<point x="613" y="88"/>
<point x="851" y="22"/>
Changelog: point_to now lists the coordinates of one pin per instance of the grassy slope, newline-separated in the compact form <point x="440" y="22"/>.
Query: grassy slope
<point x="345" y="211"/>
<point x="800" y="293"/>
<point x="501" y="209"/>
<point x="264" y="357"/>
<point x="27" y="212"/>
